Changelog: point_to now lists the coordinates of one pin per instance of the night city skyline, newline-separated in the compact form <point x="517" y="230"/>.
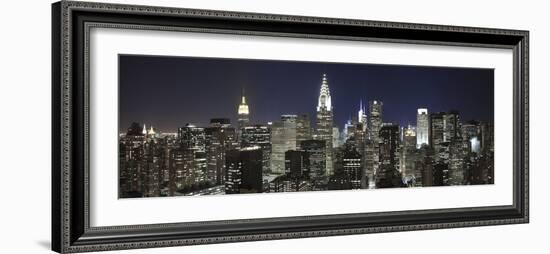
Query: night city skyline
<point x="152" y="90"/>
<point x="206" y="126"/>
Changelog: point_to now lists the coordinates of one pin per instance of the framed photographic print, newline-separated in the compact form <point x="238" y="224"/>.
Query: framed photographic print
<point x="181" y="126"/>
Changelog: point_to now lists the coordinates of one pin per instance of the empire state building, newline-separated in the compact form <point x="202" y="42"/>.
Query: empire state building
<point x="325" y="122"/>
<point x="243" y="114"/>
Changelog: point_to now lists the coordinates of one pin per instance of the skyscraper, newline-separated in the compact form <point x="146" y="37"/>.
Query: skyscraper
<point x="487" y="137"/>
<point x="290" y="130"/>
<point x="182" y="168"/>
<point x="449" y="148"/>
<point x="283" y="138"/>
<point x="458" y="150"/>
<point x="349" y="130"/>
<point x="422" y="127"/>
<point x="408" y="152"/>
<point x="297" y="163"/>
<point x="410" y="137"/>
<point x="375" y="119"/>
<point x="437" y="129"/>
<point x="131" y="156"/>
<point x="452" y="126"/>
<point x="258" y="135"/>
<point x="372" y="151"/>
<point x="335" y="137"/>
<point x="303" y="129"/>
<point x="316" y="150"/>
<point x="352" y="167"/>
<point x="437" y="137"/>
<point x="192" y="139"/>
<point x="388" y="174"/>
<point x="243" y="115"/>
<point x="445" y="127"/>
<point x="389" y="145"/>
<point x="362" y="115"/>
<point x="325" y="122"/>
<point x="471" y="132"/>
<point x="220" y="137"/>
<point x="244" y="171"/>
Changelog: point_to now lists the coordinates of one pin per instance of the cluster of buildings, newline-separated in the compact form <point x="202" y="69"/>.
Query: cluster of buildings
<point x="291" y="155"/>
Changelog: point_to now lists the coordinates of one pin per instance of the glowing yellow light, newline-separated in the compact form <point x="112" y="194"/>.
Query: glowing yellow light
<point x="243" y="108"/>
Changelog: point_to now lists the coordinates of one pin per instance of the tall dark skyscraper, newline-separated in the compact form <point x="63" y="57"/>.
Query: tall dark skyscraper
<point x="220" y="137"/>
<point x="244" y="171"/>
<point x="487" y="137"/>
<point x="375" y="119"/>
<point x="325" y="122"/>
<point x="445" y="127"/>
<point x="449" y="146"/>
<point x="372" y="148"/>
<point x="458" y="151"/>
<point x="182" y="165"/>
<point x="303" y="129"/>
<point x="192" y="139"/>
<point x="388" y="174"/>
<point x="297" y="163"/>
<point x="130" y="158"/>
<point x="409" y="151"/>
<point x="389" y="145"/>
<point x="317" y="161"/>
<point x="352" y="167"/>
<point x="437" y="131"/>
<point x="258" y="136"/>
<point x="452" y="126"/>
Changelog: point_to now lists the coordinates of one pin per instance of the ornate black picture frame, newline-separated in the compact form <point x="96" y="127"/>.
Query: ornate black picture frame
<point x="71" y="22"/>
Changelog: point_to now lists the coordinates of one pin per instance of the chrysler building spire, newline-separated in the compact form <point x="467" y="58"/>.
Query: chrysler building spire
<point x="324" y="96"/>
<point x="325" y="126"/>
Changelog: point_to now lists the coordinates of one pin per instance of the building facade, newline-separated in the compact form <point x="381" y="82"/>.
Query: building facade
<point x="325" y="122"/>
<point x="258" y="136"/>
<point x="316" y="150"/>
<point x="422" y="127"/>
<point x="243" y="114"/>
<point x="244" y="171"/>
<point x="283" y="138"/>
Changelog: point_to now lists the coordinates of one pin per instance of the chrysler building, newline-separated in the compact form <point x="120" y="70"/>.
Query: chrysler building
<point x="325" y="122"/>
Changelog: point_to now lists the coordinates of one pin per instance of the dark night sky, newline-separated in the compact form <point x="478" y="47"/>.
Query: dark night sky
<point x="168" y="92"/>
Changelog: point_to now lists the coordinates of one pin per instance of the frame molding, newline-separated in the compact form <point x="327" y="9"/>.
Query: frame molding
<point x="71" y="22"/>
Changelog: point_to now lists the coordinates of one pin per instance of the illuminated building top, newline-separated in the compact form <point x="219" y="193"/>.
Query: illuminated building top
<point x="324" y="97"/>
<point x="362" y="117"/>
<point x="422" y="127"/>
<point x="243" y="107"/>
<point x="151" y="131"/>
<point x="422" y="111"/>
<point x="410" y="131"/>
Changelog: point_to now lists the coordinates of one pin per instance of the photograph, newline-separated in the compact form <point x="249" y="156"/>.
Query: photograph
<point x="194" y="126"/>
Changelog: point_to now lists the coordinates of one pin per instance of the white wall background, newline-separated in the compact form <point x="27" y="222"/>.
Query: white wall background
<point x="25" y="125"/>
